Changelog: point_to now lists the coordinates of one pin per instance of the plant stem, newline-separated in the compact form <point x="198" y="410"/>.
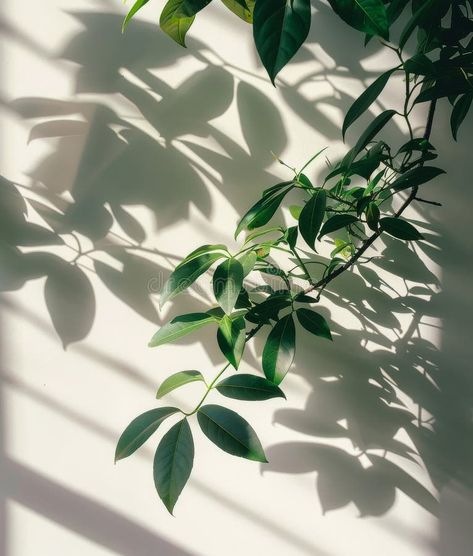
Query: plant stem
<point x="209" y="387"/>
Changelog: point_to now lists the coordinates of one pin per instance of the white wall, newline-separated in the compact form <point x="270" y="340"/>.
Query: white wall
<point x="199" y="126"/>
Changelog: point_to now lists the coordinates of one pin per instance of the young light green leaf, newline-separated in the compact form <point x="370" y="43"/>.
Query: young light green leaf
<point x="259" y="233"/>
<point x="227" y="283"/>
<point x="415" y="177"/>
<point x="244" y="10"/>
<point x="399" y="228"/>
<point x="312" y="215"/>
<point x="140" y="429"/>
<point x="459" y="112"/>
<point x="186" y="274"/>
<point x="231" y="339"/>
<point x="279" y="350"/>
<point x="135" y="8"/>
<point x="336" y="222"/>
<point x="173" y="463"/>
<point x="230" y="432"/>
<point x="295" y="211"/>
<point x="365" y="100"/>
<point x="368" y="16"/>
<point x="177" y="17"/>
<point x="180" y="326"/>
<point x="314" y="323"/>
<point x="248" y="261"/>
<point x="177" y="380"/>
<point x="249" y="387"/>
<point x="279" y="29"/>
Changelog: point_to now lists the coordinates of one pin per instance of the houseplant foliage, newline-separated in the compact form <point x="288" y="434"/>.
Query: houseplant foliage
<point x="362" y="197"/>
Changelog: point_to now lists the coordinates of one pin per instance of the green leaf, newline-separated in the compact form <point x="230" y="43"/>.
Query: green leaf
<point x="249" y="387"/>
<point x="244" y="10"/>
<point x="140" y="429"/>
<point x="314" y="323"/>
<point x="173" y="463"/>
<point x="203" y="250"/>
<point x="230" y="432"/>
<point x="259" y="233"/>
<point x="279" y="350"/>
<point x="227" y="283"/>
<point x="186" y="274"/>
<point x="368" y="16"/>
<point x="336" y="222"/>
<point x="135" y="8"/>
<point x="248" y="261"/>
<point x="365" y="100"/>
<point x="372" y="216"/>
<point x="459" y="112"/>
<point x="270" y="307"/>
<point x="399" y="228"/>
<point x="231" y="337"/>
<point x="280" y="27"/>
<point x="414" y="21"/>
<point x="419" y="65"/>
<point x="177" y="380"/>
<point x="177" y="17"/>
<point x="415" y="177"/>
<point x="312" y="215"/>
<point x="371" y="131"/>
<point x="295" y="211"/>
<point x="262" y="211"/>
<point x="291" y="236"/>
<point x="180" y="326"/>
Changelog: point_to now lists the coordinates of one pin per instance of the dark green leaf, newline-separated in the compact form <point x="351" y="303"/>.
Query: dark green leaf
<point x="291" y="236"/>
<point x="227" y="283"/>
<point x="231" y="336"/>
<point x="140" y="429"/>
<point x="419" y="65"/>
<point x="230" y="432"/>
<point x="270" y="307"/>
<point x="368" y="16"/>
<point x="399" y="228"/>
<point x="173" y="463"/>
<point x="314" y="323"/>
<point x="186" y="274"/>
<point x="312" y="215"/>
<point x="415" y="177"/>
<point x="372" y="216"/>
<point x="336" y="222"/>
<point x="363" y="102"/>
<point x="177" y="380"/>
<point x="249" y="387"/>
<point x="279" y="29"/>
<point x="459" y="112"/>
<point x="180" y="326"/>
<point x="414" y="21"/>
<point x="279" y="350"/>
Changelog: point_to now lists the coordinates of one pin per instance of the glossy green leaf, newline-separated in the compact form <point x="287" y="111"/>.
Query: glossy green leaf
<point x="231" y="337"/>
<point x="279" y="350"/>
<point x="180" y="326"/>
<point x="280" y="27"/>
<point x="365" y="100"/>
<point x="227" y="283"/>
<point x="312" y="215"/>
<point x="177" y="380"/>
<point x="135" y="8"/>
<point x="291" y="236"/>
<point x="337" y="222"/>
<point x="203" y="250"/>
<point x="259" y="233"/>
<point x="186" y="274"/>
<point x="248" y="261"/>
<point x="173" y="463"/>
<point x="177" y="17"/>
<point x="140" y="429"/>
<point x="249" y="387"/>
<point x="262" y="211"/>
<point x="415" y="177"/>
<point x="368" y="16"/>
<point x="459" y="112"/>
<point x="269" y="308"/>
<point x="230" y="432"/>
<point x="399" y="228"/>
<point x="314" y="322"/>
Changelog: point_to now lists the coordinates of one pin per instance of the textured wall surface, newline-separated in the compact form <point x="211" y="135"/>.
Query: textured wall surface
<point x="151" y="150"/>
